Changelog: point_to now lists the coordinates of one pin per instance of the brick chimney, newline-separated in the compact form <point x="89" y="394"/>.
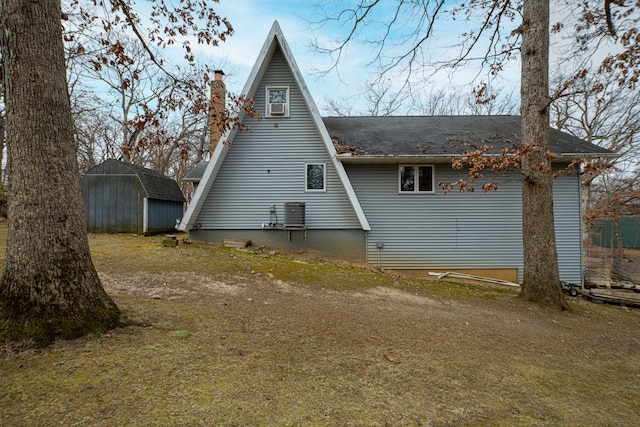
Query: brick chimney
<point x="217" y="110"/>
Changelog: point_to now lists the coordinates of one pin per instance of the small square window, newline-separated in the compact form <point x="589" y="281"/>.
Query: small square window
<point x="277" y="102"/>
<point x="315" y="178"/>
<point x="416" y="179"/>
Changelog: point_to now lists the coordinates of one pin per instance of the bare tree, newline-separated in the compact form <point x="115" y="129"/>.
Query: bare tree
<point x="605" y="113"/>
<point x="337" y="108"/>
<point x="49" y="288"/>
<point x="616" y="196"/>
<point x="382" y="101"/>
<point x="2" y="130"/>
<point x="147" y="93"/>
<point x="541" y="278"/>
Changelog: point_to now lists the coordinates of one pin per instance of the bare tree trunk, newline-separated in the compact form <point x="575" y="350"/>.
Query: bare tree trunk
<point x="49" y="287"/>
<point x="541" y="281"/>
<point x="2" y="141"/>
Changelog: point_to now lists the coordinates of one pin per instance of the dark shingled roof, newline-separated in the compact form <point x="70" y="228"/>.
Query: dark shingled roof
<point x="195" y="174"/>
<point x="436" y="136"/>
<point x="426" y="136"/>
<point x="156" y="185"/>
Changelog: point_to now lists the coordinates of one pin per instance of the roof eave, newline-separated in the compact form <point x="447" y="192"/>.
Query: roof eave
<point x="441" y="158"/>
<point x="390" y="158"/>
<point x="572" y="156"/>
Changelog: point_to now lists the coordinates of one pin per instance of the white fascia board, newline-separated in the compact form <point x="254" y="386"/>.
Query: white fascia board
<point x="443" y="158"/>
<point x="572" y="156"/>
<point x="315" y="114"/>
<point x="208" y="177"/>
<point x="274" y="39"/>
<point x="219" y="154"/>
<point x="349" y="158"/>
<point x="262" y="62"/>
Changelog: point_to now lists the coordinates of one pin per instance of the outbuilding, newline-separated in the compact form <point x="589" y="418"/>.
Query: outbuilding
<point x="121" y="197"/>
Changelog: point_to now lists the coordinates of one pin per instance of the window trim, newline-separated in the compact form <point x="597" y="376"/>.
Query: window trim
<point x="267" y="103"/>
<point x="306" y="178"/>
<point x="416" y="188"/>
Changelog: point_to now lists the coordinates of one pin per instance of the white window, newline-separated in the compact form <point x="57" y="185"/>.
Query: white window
<point x="315" y="177"/>
<point x="415" y="179"/>
<point x="277" y="101"/>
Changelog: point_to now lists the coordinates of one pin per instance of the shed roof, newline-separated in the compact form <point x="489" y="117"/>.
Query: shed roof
<point x="156" y="185"/>
<point x="441" y="136"/>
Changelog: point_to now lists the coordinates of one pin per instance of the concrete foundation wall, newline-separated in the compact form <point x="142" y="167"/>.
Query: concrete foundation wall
<point x="345" y="244"/>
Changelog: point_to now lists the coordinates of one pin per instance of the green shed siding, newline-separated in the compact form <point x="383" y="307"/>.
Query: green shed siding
<point x="114" y="195"/>
<point x="162" y="215"/>
<point x="113" y="204"/>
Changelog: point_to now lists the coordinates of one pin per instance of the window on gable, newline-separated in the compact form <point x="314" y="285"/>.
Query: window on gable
<point x="416" y="179"/>
<point x="277" y="101"/>
<point x="315" y="178"/>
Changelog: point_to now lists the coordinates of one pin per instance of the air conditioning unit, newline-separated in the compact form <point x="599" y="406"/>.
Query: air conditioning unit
<point x="294" y="214"/>
<point x="277" y="109"/>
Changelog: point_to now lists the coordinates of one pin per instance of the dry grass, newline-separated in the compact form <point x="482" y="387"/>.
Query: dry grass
<point x="225" y="337"/>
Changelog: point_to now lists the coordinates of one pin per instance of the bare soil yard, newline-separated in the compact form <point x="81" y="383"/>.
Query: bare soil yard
<point x="226" y="337"/>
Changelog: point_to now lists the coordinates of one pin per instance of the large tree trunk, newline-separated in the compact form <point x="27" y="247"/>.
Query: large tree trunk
<point x="541" y="281"/>
<point x="49" y="287"/>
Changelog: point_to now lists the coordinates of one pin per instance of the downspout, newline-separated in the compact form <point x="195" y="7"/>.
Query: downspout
<point x="582" y="236"/>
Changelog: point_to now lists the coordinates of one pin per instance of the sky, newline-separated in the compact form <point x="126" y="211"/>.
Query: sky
<point x="252" y="20"/>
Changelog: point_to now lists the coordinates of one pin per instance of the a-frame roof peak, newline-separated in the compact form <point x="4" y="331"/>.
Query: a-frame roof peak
<point x="274" y="41"/>
<point x="275" y="27"/>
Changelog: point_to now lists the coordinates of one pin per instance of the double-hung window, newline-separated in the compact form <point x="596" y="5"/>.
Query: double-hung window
<point x="415" y="179"/>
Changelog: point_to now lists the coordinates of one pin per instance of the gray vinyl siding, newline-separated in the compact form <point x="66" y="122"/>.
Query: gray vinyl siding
<point x="458" y="230"/>
<point x="568" y="226"/>
<point x="266" y="166"/>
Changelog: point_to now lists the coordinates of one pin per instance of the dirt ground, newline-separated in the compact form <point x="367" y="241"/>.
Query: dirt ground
<point x="479" y="346"/>
<point x="248" y="338"/>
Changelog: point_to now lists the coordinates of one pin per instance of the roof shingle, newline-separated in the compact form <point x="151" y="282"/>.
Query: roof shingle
<point x="424" y="136"/>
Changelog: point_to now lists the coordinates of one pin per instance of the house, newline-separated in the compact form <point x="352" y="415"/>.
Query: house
<point x="124" y="198"/>
<point x="375" y="198"/>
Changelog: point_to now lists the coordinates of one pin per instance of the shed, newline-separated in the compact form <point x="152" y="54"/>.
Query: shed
<point x="124" y="198"/>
